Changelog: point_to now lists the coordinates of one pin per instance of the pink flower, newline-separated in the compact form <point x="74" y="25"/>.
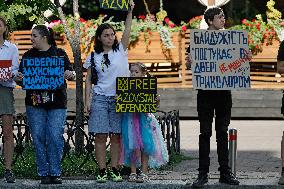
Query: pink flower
<point x="171" y="25"/>
<point x="253" y="20"/>
<point x="244" y="21"/>
<point x="282" y="24"/>
<point x="167" y="20"/>
<point x="183" y="28"/>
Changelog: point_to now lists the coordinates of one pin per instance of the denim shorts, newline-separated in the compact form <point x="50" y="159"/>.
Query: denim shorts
<point x="103" y="119"/>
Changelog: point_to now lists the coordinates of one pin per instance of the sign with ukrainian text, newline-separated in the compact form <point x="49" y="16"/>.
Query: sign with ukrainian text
<point x="220" y="59"/>
<point x="46" y="73"/>
<point x="115" y="4"/>
<point x="136" y="94"/>
<point x="5" y="70"/>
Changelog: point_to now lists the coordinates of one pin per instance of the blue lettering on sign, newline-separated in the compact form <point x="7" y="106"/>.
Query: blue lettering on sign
<point x="227" y="37"/>
<point x="212" y="54"/>
<point x="43" y="73"/>
<point x="210" y="82"/>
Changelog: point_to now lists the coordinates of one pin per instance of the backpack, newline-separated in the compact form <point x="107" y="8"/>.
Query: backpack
<point x="94" y="74"/>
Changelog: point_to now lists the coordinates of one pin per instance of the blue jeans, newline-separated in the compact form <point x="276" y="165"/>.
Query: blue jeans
<point x="47" y="129"/>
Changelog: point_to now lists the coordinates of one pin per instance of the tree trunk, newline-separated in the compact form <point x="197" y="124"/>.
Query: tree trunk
<point x="76" y="49"/>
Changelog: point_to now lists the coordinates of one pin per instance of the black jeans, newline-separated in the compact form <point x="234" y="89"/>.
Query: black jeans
<point x="209" y="102"/>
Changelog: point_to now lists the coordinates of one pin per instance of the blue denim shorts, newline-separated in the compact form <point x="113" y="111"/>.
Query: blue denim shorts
<point x="103" y="119"/>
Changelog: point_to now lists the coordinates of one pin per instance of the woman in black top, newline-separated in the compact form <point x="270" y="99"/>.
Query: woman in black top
<point x="43" y="71"/>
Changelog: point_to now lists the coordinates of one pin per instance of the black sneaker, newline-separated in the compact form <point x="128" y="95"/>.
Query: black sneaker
<point x="9" y="176"/>
<point x="228" y="178"/>
<point x="55" y="180"/>
<point x="200" y="181"/>
<point x="45" y="180"/>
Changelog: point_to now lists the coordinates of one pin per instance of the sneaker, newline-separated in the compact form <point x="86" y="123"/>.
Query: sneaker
<point x="55" y="180"/>
<point x="45" y="180"/>
<point x="102" y="176"/>
<point x="115" y="175"/>
<point x="281" y="180"/>
<point x="201" y="180"/>
<point x="132" y="177"/>
<point x="142" y="178"/>
<point x="9" y="176"/>
<point x="228" y="178"/>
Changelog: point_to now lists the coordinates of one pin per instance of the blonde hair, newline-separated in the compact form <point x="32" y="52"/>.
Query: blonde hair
<point x="142" y="67"/>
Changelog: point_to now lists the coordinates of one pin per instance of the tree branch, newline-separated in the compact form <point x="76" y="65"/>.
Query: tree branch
<point x="64" y="22"/>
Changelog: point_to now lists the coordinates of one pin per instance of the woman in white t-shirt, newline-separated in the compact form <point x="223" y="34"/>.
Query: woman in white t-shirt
<point x="108" y="61"/>
<point x="9" y="65"/>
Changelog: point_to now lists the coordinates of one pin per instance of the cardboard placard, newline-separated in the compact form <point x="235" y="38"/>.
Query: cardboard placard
<point x="136" y="94"/>
<point x="5" y="70"/>
<point x="43" y="73"/>
<point x="220" y="59"/>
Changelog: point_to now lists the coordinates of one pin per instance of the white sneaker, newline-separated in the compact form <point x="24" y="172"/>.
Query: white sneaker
<point x="142" y="178"/>
<point x="132" y="177"/>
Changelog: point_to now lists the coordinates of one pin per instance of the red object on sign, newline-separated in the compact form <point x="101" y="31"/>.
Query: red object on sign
<point x="5" y="63"/>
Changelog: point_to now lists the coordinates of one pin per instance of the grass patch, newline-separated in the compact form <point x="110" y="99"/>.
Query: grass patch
<point x="72" y="165"/>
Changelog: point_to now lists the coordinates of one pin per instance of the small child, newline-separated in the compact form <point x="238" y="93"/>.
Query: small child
<point x="142" y="140"/>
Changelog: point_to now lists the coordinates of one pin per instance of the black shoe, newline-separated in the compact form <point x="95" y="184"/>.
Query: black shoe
<point x="45" y="180"/>
<point x="9" y="176"/>
<point x="55" y="180"/>
<point x="228" y="178"/>
<point x="200" y="181"/>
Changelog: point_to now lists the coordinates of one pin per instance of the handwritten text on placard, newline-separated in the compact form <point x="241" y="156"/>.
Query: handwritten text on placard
<point x="115" y="4"/>
<point x="43" y="73"/>
<point x="220" y="59"/>
<point x="136" y="94"/>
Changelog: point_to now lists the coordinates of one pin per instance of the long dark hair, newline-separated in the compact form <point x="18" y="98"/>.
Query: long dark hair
<point x="48" y="32"/>
<point x="98" y="43"/>
<point x="5" y="34"/>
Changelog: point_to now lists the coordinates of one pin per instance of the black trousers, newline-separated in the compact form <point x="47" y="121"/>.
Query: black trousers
<point x="208" y="103"/>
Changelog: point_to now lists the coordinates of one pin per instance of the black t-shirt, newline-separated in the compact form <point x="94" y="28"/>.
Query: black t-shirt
<point x="280" y="56"/>
<point x="49" y="99"/>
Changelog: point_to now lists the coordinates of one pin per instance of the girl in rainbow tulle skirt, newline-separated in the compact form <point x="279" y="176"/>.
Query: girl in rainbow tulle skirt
<point x="142" y="141"/>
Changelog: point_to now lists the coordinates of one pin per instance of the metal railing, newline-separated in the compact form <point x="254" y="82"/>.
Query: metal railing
<point x="169" y="122"/>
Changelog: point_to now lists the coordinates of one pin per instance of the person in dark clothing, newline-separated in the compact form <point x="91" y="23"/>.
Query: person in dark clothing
<point x="210" y="102"/>
<point x="280" y="70"/>
<point x="46" y="108"/>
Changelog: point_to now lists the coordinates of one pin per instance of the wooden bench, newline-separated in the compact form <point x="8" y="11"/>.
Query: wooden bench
<point x="22" y="39"/>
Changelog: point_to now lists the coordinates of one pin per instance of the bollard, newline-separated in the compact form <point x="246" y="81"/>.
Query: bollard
<point x="233" y="150"/>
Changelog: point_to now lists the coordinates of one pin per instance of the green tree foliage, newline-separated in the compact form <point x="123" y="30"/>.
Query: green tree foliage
<point x="87" y="9"/>
<point x="22" y="14"/>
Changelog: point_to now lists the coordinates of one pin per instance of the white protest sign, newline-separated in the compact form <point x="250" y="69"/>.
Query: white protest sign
<point x="220" y="59"/>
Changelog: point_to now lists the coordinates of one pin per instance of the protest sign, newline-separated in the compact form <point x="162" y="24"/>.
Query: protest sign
<point x="43" y="73"/>
<point x="5" y="70"/>
<point x="220" y="59"/>
<point x="136" y="94"/>
<point x="115" y="4"/>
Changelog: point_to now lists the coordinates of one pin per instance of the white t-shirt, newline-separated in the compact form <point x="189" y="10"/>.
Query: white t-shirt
<point x="118" y="68"/>
<point x="9" y="51"/>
